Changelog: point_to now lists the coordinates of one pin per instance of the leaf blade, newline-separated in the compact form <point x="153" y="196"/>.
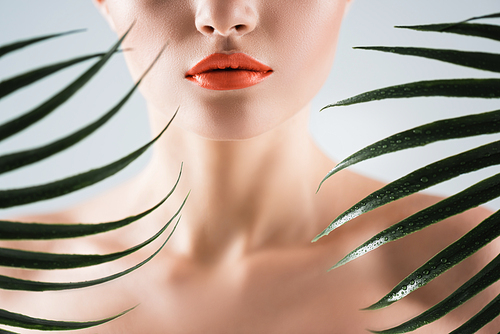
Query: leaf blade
<point x="10" y="283"/>
<point x="5" y="49"/>
<point x="478" y="321"/>
<point x="487" y="276"/>
<point x="475" y="195"/>
<point x="475" y="88"/>
<point x="37" y="231"/>
<point x="11" y="85"/>
<point x="38" y="260"/>
<point x="488" y="31"/>
<point x="478" y="60"/>
<point x="20" y="196"/>
<point x="23" y="321"/>
<point x="423" y="178"/>
<point x="452" y="128"/>
<point x="16" y="160"/>
<point x="20" y="123"/>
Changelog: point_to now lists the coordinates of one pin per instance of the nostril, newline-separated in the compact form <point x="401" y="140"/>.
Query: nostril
<point x="208" y="29"/>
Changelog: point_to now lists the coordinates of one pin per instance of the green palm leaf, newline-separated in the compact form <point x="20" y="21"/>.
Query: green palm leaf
<point x="4" y="49"/>
<point x="478" y="88"/>
<point x="16" y="160"/>
<point x="35" y="231"/>
<point x="18" y="124"/>
<point x="435" y="173"/>
<point x="10" y="283"/>
<point x="38" y="260"/>
<point x="423" y="178"/>
<point x="11" y="85"/>
<point x="487" y="314"/>
<point x="468" y="29"/>
<point x="487" y="276"/>
<point x="452" y="128"/>
<point x="23" y="321"/>
<point x="17" y="230"/>
<point x="480" y="193"/>
<point x="470" y="243"/>
<point x="14" y="197"/>
<point x="478" y="60"/>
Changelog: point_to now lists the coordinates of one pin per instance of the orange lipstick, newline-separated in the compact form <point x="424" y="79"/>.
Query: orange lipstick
<point x="221" y="71"/>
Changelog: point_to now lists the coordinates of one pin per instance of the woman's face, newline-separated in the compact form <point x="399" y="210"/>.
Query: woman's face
<point x="228" y="95"/>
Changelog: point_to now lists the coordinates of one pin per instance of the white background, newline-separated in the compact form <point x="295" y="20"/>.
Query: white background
<point x="339" y="131"/>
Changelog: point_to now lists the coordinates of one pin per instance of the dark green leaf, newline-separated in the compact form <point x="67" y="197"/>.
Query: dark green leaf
<point x="11" y="85"/>
<point x="18" y="124"/>
<point x="488" y="16"/>
<point x="478" y="88"/>
<point x="487" y="314"/>
<point x="425" y="177"/>
<point x="19" y="159"/>
<point x="470" y="243"/>
<point x="469" y="29"/>
<point x="23" y="321"/>
<point x="477" y="60"/>
<point x="487" y="276"/>
<point x="21" y="44"/>
<point x="10" y="283"/>
<point x="452" y="128"/>
<point x="13" y="197"/>
<point x="36" y="231"/>
<point x="3" y="331"/>
<point x="37" y="260"/>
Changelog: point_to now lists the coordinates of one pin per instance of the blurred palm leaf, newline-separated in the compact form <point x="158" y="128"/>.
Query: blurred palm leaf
<point x="435" y="173"/>
<point x="10" y="230"/>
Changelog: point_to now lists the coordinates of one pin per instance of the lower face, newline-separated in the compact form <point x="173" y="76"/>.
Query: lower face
<point x="295" y="38"/>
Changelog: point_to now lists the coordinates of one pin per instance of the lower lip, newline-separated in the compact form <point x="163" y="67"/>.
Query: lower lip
<point x="228" y="79"/>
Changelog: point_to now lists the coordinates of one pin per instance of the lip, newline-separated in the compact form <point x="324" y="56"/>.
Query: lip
<point x="221" y="71"/>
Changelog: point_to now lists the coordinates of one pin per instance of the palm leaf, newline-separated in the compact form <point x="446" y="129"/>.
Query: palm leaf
<point x="478" y="88"/>
<point x="487" y="276"/>
<point x="35" y="231"/>
<point x="452" y="128"/>
<point x="423" y="178"/>
<point x="18" y="124"/>
<point x="16" y="160"/>
<point x="11" y="283"/>
<point x="17" y="230"/>
<point x="38" y="260"/>
<point x="9" y="86"/>
<point x="468" y="29"/>
<point x="436" y="173"/>
<point x="14" y="197"/>
<point x="478" y="60"/>
<point x="23" y="321"/>
<point x="487" y="314"/>
<point x="480" y="193"/>
<point x="4" y="49"/>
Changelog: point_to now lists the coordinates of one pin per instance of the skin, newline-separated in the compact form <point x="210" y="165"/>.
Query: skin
<point x="241" y="260"/>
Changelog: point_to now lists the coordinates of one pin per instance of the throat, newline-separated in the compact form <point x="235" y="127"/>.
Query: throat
<point x="245" y="195"/>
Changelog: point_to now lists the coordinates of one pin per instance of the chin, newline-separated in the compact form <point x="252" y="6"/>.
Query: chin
<point x="228" y="123"/>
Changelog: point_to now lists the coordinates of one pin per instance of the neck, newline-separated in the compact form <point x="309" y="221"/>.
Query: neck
<point x="244" y="194"/>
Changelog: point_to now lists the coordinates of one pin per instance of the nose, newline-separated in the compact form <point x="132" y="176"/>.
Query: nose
<point x="225" y="17"/>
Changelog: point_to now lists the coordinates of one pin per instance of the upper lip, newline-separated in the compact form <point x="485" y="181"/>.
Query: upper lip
<point x="222" y="61"/>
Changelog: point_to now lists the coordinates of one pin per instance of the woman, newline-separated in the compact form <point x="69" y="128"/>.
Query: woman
<point x="243" y="73"/>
